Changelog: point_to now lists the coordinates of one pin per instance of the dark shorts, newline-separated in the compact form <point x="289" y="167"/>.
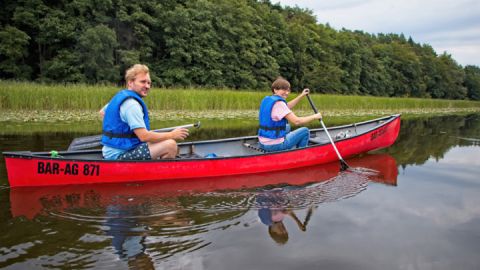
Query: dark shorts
<point x="141" y="152"/>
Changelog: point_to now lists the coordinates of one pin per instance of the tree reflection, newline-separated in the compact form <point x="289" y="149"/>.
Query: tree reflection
<point x="424" y="138"/>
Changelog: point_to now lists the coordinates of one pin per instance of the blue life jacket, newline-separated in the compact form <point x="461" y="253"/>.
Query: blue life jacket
<point x="269" y="128"/>
<point x="116" y="133"/>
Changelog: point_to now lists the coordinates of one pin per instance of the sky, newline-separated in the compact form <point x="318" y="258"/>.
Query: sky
<point x="451" y="26"/>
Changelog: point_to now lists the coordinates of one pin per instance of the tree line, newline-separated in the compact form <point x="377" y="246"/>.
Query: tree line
<point x="237" y="44"/>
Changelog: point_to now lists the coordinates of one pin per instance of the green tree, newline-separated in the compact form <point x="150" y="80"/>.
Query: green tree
<point x="315" y="62"/>
<point x="428" y="65"/>
<point x="96" y="48"/>
<point x="246" y="53"/>
<point x="402" y="66"/>
<point x="449" y="79"/>
<point x="374" y="78"/>
<point x="192" y="44"/>
<point x="472" y="82"/>
<point x="132" y="23"/>
<point x="64" y="67"/>
<point x="274" y="31"/>
<point x="13" y="51"/>
<point x="56" y="33"/>
<point x="351" y="62"/>
<point x="323" y="72"/>
<point x="26" y="17"/>
<point x="91" y="12"/>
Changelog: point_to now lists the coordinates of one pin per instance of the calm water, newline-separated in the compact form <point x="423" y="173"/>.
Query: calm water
<point x="415" y="205"/>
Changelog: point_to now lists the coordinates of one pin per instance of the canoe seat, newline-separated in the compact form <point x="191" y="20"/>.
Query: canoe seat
<point x="254" y="146"/>
<point x="188" y="156"/>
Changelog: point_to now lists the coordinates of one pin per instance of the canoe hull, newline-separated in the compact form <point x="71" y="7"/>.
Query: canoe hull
<point x="31" y="170"/>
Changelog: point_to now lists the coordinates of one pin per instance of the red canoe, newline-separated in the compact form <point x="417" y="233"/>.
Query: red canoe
<point x="232" y="156"/>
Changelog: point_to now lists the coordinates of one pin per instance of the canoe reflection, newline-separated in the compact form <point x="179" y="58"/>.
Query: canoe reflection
<point x="173" y="217"/>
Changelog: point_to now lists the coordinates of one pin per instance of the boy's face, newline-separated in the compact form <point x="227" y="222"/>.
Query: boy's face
<point x="282" y="92"/>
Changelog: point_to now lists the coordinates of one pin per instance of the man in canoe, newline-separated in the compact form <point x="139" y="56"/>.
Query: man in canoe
<point x="275" y="114"/>
<point x="126" y="126"/>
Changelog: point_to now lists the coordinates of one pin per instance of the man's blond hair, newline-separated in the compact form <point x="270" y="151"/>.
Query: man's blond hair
<point x="134" y="70"/>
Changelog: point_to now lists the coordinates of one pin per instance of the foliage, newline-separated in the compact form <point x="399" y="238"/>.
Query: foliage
<point x="472" y="82"/>
<point x="235" y="44"/>
<point x="96" y="47"/>
<point x="13" y="51"/>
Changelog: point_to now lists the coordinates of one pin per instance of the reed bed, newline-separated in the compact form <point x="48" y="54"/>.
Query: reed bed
<point x="28" y="96"/>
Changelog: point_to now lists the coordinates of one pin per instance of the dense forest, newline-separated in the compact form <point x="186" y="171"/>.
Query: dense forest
<point x="238" y="44"/>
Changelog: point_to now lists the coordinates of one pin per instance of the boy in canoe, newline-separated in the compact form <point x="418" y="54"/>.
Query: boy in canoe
<point x="126" y="126"/>
<point x="275" y="115"/>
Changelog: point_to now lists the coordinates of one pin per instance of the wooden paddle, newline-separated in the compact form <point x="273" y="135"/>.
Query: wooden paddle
<point x="95" y="140"/>
<point x="343" y="164"/>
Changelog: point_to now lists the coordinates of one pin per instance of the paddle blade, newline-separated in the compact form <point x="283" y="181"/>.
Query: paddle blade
<point x="85" y="143"/>
<point x="343" y="165"/>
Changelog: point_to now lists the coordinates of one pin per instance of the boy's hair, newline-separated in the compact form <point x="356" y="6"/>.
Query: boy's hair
<point x="279" y="236"/>
<point x="134" y="70"/>
<point x="280" y="83"/>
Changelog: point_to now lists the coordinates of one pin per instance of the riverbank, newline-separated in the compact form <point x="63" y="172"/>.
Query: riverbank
<point x="89" y="121"/>
<point x="56" y="116"/>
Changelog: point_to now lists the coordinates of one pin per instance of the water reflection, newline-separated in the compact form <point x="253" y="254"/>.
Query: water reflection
<point x="143" y="224"/>
<point x="128" y="238"/>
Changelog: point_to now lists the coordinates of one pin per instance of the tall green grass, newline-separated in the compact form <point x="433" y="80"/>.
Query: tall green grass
<point x="34" y="96"/>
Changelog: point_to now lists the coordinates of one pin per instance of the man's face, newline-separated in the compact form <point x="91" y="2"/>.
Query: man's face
<point x="141" y="85"/>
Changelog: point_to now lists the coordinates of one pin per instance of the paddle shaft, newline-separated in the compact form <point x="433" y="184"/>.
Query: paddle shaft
<point x="343" y="164"/>
<point x="196" y="125"/>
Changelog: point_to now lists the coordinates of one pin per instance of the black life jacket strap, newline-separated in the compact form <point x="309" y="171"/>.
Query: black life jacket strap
<point x="277" y="129"/>
<point x="115" y="135"/>
<point x="272" y="128"/>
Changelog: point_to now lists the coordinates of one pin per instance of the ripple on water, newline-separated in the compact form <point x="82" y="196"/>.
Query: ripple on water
<point x="344" y="185"/>
<point x="177" y="211"/>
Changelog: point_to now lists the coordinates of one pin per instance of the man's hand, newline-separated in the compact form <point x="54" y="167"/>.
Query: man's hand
<point x="179" y="133"/>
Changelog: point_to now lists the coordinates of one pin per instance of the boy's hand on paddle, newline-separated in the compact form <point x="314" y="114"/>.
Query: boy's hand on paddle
<point x="305" y="92"/>
<point x="179" y="133"/>
<point x="317" y="116"/>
